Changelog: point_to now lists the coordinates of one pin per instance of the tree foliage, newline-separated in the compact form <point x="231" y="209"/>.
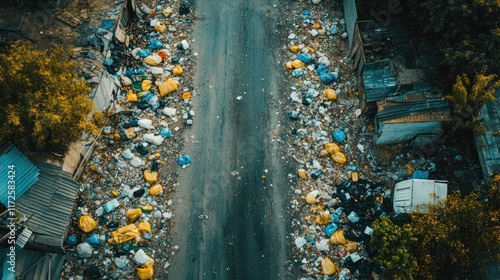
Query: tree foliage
<point x="468" y="97"/>
<point x="43" y="102"/>
<point x="455" y="236"/>
<point x="393" y="244"/>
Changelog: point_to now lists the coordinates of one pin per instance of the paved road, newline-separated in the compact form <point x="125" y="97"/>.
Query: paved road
<point x="232" y="149"/>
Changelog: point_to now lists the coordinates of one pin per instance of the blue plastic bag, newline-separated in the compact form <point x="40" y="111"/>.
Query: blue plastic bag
<point x="327" y="78"/>
<point x="155" y="45"/>
<point x="330" y="229"/>
<point x="144" y="53"/>
<point x="304" y="57"/>
<point x="107" y="24"/>
<point x="322" y="69"/>
<point x="165" y="132"/>
<point x="298" y="72"/>
<point x="71" y="240"/>
<point x="339" y="135"/>
<point x="184" y="160"/>
<point x="93" y="239"/>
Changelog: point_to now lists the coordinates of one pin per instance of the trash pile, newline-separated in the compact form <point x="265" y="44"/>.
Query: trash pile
<point x="338" y="192"/>
<point x="121" y="225"/>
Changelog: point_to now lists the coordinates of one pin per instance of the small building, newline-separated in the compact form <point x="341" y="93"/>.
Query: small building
<point x="45" y="199"/>
<point x="378" y="82"/>
<point x="488" y="143"/>
<point x="403" y="117"/>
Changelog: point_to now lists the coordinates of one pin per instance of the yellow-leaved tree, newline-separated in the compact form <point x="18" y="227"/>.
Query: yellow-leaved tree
<point x="43" y="102"/>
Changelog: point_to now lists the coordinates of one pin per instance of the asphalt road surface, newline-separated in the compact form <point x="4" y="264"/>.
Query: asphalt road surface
<point x="237" y="181"/>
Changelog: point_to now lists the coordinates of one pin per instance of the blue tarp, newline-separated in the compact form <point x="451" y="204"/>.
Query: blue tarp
<point x="420" y="174"/>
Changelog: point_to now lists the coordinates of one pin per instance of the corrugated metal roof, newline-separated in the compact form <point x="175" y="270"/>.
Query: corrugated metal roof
<point x="399" y="110"/>
<point x="488" y="143"/>
<point x="379" y="80"/>
<point x="49" y="202"/>
<point x="35" y="265"/>
<point x="26" y="174"/>
<point x="350" y="16"/>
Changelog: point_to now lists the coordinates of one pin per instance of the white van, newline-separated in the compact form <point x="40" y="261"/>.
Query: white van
<point x="410" y="193"/>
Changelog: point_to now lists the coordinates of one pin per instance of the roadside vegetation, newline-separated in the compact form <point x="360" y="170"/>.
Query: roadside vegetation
<point x="450" y="240"/>
<point x="44" y="103"/>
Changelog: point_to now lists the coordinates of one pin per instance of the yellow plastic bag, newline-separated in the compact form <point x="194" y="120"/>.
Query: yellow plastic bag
<point x="294" y="49"/>
<point x="178" y="70"/>
<point x="145" y="271"/>
<point x="297" y="63"/>
<point x="146" y="85"/>
<point x="339" y="157"/>
<point x="311" y="197"/>
<point x="337" y="238"/>
<point x="160" y="27"/>
<point x="129" y="133"/>
<point x="354" y="177"/>
<point x="133" y="214"/>
<point x="147" y="208"/>
<point x="144" y="227"/>
<point x="350" y="246"/>
<point x="332" y="148"/>
<point x="124" y="234"/>
<point x="153" y="59"/>
<point x="302" y="174"/>
<point x="325" y="218"/>
<point x="132" y="96"/>
<point x="186" y="95"/>
<point x="328" y="268"/>
<point x="330" y="94"/>
<point x="168" y="87"/>
<point x="150" y="177"/>
<point x="87" y="224"/>
<point x="289" y="65"/>
<point x="167" y="12"/>
<point x="155" y="190"/>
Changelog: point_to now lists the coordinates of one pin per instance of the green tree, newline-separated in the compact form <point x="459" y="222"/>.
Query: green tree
<point x="468" y="97"/>
<point x="454" y="237"/>
<point x="44" y="103"/>
<point x="392" y="244"/>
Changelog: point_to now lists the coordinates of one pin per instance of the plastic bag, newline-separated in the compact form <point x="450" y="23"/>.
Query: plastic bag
<point x="324" y="218"/>
<point x="150" y="177"/>
<point x="311" y="197"/>
<point x="153" y="59"/>
<point x="144" y="227"/>
<point x="132" y="96"/>
<point x="140" y="257"/>
<point x="154" y="139"/>
<point x="167" y="87"/>
<point x="145" y="272"/>
<point x="155" y="45"/>
<point x="178" y="70"/>
<point x="337" y="238"/>
<point x="124" y="234"/>
<point x="146" y="85"/>
<point x="330" y="229"/>
<point x="339" y="135"/>
<point x="330" y="94"/>
<point x="339" y="157"/>
<point x="186" y="95"/>
<point x="144" y="53"/>
<point x="127" y="154"/>
<point x="136" y="162"/>
<point x="300" y="242"/>
<point x="133" y="214"/>
<point x="294" y="49"/>
<point x="145" y="123"/>
<point x="126" y="81"/>
<point x="297" y="63"/>
<point x="354" y="177"/>
<point x="289" y="65"/>
<point x="350" y="246"/>
<point x="304" y="57"/>
<point x="302" y="174"/>
<point x="129" y="133"/>
<point x="322" y="245"/>
<point x="332" y="148"/>
<point x="87" y="224"/>
<point x="160" y="27"/>
<point x="328" y="268"/>
<point x="155" y="190"/>
<point x="184" y="160"/>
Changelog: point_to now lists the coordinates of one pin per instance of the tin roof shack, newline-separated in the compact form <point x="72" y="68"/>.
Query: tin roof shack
<point x="488" y="143"/>
<point x="411" y="193"/>
<point x="410" y="114"/>
<point x="378" y="82"/>
<point x="45" y="198"/>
